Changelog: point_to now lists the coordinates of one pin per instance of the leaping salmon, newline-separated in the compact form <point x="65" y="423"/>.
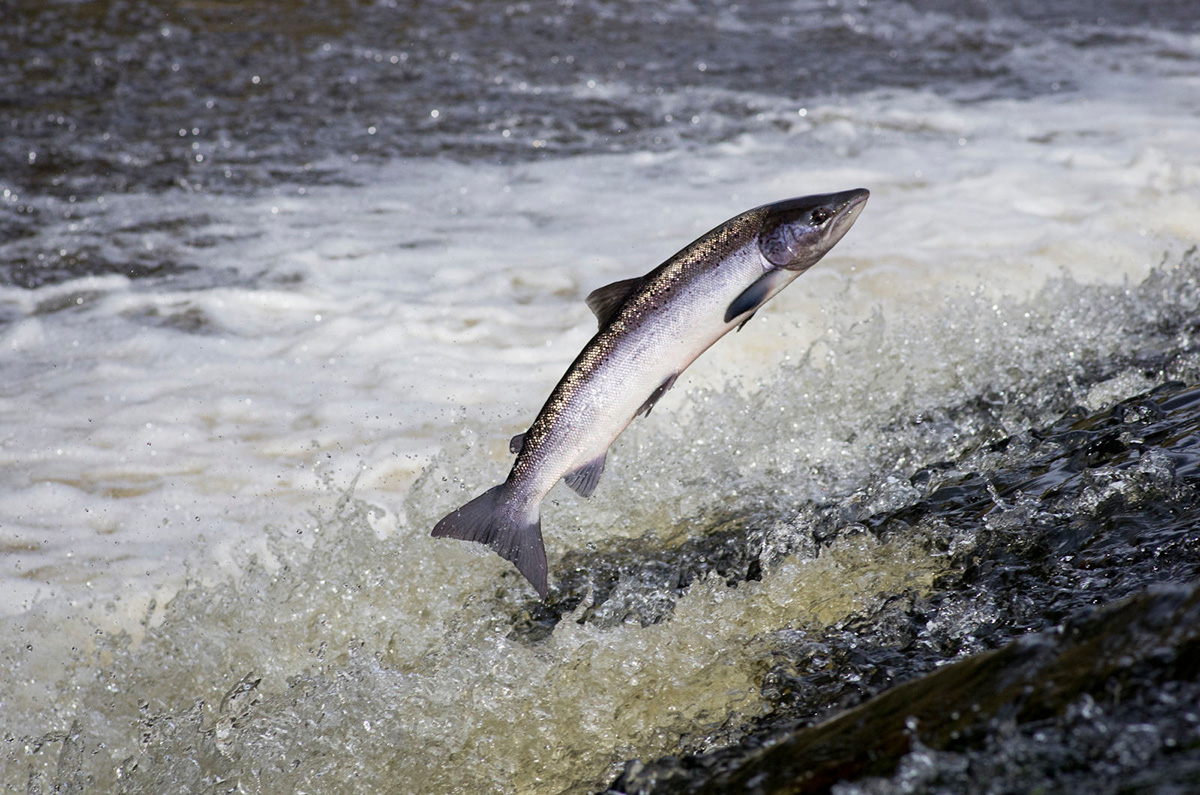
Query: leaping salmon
<point x="651" y="328"/>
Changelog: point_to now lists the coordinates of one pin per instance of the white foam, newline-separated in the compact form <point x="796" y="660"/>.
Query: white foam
<point x="371" y="324"/>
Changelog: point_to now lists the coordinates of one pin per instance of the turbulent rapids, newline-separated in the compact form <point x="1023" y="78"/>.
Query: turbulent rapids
<point x="278" y="283"/>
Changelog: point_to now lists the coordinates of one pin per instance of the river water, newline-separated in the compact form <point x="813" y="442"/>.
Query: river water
<point x="278" y="282"/>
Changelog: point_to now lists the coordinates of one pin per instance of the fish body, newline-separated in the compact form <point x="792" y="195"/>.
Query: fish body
<point x="651" y="328"/>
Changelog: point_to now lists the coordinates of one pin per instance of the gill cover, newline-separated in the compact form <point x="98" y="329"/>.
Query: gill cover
<point x="797" y="233"/>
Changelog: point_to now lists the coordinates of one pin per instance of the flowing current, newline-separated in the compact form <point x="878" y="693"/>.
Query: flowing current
<point x="278" y="283"/>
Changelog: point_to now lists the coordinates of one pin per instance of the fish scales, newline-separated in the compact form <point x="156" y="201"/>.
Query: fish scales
<point x="616" y="348"/>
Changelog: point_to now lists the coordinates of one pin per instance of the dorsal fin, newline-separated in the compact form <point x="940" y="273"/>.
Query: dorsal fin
<point x="606" y="301"/>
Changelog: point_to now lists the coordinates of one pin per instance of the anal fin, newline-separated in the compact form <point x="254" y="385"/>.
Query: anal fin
<point x="583" y="481"/>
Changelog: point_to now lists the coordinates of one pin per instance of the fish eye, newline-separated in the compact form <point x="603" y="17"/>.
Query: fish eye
<point x="821" y="215"/>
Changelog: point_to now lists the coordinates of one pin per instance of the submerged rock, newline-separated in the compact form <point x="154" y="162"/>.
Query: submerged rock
<point x="1060" y="646"/>
<point x="1125" y="654"/>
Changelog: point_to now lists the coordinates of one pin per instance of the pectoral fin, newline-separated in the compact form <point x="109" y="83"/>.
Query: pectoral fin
<point x="755" y="295"/>
<point x="585" y="479"/>
<point x="517" y="442"/>
<point x="606" y="301"/>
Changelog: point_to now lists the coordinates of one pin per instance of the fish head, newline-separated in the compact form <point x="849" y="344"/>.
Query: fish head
<point x="796" y="233"/>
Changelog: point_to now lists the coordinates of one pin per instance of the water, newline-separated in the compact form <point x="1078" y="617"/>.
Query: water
<point x="277" y="287"/>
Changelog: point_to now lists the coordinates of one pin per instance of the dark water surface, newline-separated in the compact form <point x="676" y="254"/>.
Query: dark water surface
<point x="113" y="95"/>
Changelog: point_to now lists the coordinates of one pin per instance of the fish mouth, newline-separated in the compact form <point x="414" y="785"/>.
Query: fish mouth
<point x="846" y="207"/>
<point x="796" y="233"/>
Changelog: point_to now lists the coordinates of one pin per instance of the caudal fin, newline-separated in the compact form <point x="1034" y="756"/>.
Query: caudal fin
<point x="491" y="519"/>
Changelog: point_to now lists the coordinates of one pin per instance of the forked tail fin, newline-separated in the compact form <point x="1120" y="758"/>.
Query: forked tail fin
<point x="492" y="519"/>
